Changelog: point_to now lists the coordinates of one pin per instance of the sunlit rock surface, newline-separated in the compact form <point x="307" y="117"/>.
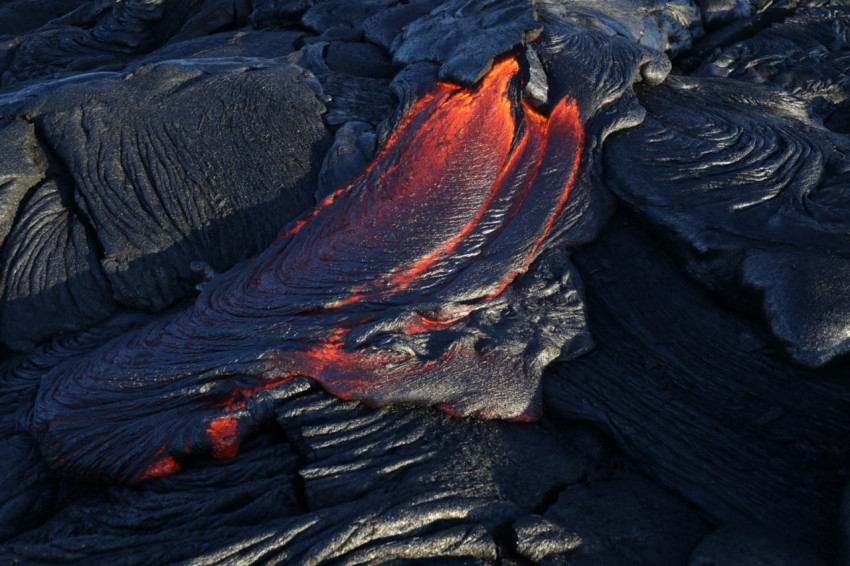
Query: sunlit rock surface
<point x="224" y="222"/>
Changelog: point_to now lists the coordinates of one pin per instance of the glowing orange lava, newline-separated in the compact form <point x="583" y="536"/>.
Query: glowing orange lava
<point x="224" y="434"/>
<point x="163" y="467"/>
<point x="396" y="288"/>
<point x="471" y="158"/>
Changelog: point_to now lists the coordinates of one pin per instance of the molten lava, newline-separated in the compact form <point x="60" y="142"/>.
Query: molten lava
<point x="391" y="290"/>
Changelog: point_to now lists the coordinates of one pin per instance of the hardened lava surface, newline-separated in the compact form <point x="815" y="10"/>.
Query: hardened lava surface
<point x="425" y="281"/>
<point x="393" y="289"/>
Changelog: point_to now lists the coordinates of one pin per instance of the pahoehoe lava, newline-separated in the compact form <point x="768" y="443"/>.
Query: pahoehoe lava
<point x="457" y="281"/>
<point x="393" y="289"/>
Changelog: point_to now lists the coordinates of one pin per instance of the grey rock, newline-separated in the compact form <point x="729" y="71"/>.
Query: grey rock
<point x="624" y="520"/>
<point x="749" y="167"/>
<point x="22" y="167"/>
<point x="466" y="36"/>
<point x="135" y="224"/>
<point x="351" y="152"/>
<point x="750" y="547"/>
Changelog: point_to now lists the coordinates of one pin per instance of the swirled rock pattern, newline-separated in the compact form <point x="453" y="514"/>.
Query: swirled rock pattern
<point x="806" y="55"/>
<point x="223" y="221"/>
<point x="756" y="197"/>
<point x="368" y="300"/>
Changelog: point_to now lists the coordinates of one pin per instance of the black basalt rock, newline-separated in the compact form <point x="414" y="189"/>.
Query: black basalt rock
<point x="755" y="197"/>
<point x="747" y="436"/>
<point x="284" y="269"/>
<point x="117" y="145"/>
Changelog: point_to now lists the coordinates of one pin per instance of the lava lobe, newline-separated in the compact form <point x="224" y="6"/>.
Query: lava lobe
<point x="410" y="284"/>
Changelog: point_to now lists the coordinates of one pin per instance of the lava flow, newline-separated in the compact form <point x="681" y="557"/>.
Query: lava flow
<point x="398" y="288"/>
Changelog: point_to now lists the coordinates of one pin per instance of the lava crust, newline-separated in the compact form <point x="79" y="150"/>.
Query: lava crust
<point x="258" y="256"/>
<point x="396" y="288"/>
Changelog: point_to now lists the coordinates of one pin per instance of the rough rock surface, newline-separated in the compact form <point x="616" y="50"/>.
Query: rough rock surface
<point x="148" y="148"/>
<point x="339" y="481"/>
<point x="750" y="548"/>
<point x="748" y="168"/>
<point x="135" y="224"/>
<point x="731" y="433"/>
<point x="807" y="55"/>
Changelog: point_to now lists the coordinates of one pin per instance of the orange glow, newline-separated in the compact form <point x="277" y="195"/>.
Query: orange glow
<point x="566" y="120"/>
<point x="463" y="155"/>
<point x="489" y="109"/>
<point x="471" y="159"/>
<point x="387" y="291"/>
<point x="475" y="160"/>
<point x="163" y="467"/>
<point x="224" y="434"/>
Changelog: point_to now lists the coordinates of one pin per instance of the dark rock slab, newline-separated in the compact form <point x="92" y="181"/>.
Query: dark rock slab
<point x="700" y="398"/>
<point x="166" y="179"/>
<point x="754" y="196"/>
<point x="806" y="55"/>
<point x="465" y="37"/>
<point x="625" y="519"/>
<point x="52" y="281"/>
<point x="750" y="547"/>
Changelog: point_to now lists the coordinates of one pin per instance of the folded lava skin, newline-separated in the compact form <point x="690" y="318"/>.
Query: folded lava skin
<point x="396" y="288"/>
<point x="426" y="191"/>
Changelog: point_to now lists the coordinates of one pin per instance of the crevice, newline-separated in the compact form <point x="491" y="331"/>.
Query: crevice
<point x="504" y="535"/>
<point x="691" y="59"/>
<point x="301" y="450"/>
<point x="550" y="497"/>
<point x="506" y="549"/>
